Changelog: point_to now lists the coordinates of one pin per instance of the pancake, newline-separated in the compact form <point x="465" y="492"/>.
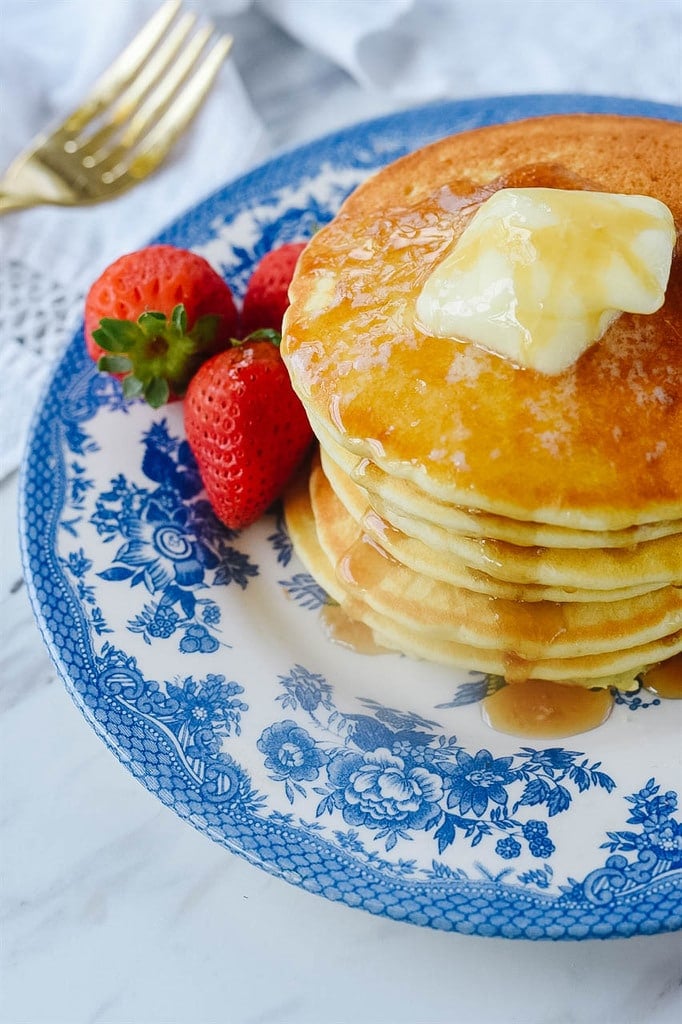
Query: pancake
<point x="468" y="510"/>
<point x="474" y="574"/>
<point x="619" y="669"/>
<point x="456" y="613"/>
<point x="398" y="495"/>
<point x="452" y="418"/>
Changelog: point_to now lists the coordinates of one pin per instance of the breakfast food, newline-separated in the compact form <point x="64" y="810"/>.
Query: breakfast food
<point x="164" y="322"/>
<point x="266" y="297"/>
<point x="247" y="429"/>
<point x="154" y="315"/>
<point x="487" y="342"/>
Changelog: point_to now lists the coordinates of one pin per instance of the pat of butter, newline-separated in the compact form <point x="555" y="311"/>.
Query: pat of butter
<point x="539" y="273"/>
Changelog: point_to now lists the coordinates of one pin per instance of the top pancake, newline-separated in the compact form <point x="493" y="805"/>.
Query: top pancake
<point x="597" y="447"/>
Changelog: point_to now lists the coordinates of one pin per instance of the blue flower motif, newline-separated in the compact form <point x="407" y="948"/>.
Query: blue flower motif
<point x="534" y="829"/>
<point x="660" y="835"/>
<point x="78" y="563"/>
<point x="542" y="848"/>
<point x="290" y="752"/>
<point x="664" y="837"/>
<point x="508" y="847"/>
<point x="478" y="779"/>
<point x="197" y="640"/>
<point x="211" y="614"/>
<point x="164" y="622"/>
<point x="202" y="713"/>
<point x="381" y="790"/>
<point x="157" y="437"/>
<point x="162" y="548"/>
<point x="306" y="689"/>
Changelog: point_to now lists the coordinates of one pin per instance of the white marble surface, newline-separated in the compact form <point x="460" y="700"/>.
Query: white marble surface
<point x="113" y="910"/>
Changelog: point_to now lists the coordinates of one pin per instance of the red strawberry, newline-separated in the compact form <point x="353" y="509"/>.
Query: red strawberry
<point x="154" y="316"/>
<point x="247" y="429"/>
<point x="266" y="296"/>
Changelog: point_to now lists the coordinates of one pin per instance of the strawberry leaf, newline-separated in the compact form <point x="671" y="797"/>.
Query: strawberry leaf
<point x="156" y="356"/>
<point x="150" y="322"/>
<point x="117" y="335"/>
<point x="204" y="330"/>
<point x="179" y="318"/>
<point x="157" y="392"/>
<point x="114" y="364"/>
<point x="132" y="386"/>
<point x="265" y="334"/>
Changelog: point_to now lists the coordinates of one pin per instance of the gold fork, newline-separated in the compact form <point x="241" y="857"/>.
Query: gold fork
<point x="124" y="129"/>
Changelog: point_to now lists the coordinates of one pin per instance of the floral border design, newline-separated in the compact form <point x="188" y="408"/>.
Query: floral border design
<point x="389" y="793"/>
<point x="392" y="775"/>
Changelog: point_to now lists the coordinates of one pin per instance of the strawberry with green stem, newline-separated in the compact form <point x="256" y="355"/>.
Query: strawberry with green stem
<point x="164" y="321"/>
<point x="154" y="316"/>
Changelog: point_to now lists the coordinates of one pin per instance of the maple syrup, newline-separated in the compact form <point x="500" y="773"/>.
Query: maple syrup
<point x="545" y="710"/>
<point x="340" y="628"/>
<point x="364" y="564"/>
<point x="665" y="680"/>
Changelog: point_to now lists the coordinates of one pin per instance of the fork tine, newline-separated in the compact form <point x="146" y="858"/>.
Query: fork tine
<point x="123" y="70"/>
<point x="151" y="109"/>
<point x="55" y="168"/>
<point x="153" y="71"/>
<point x="156" y="144"/>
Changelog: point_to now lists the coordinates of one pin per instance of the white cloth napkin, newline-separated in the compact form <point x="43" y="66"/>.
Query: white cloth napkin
<point x="423" y="49"/>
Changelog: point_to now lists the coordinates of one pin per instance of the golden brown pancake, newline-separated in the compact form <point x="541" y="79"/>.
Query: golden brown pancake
<point x="473" y="476"/>
<point x="618" y="668"/>
<point x="402" y="498"/>
<point x="458" y="421"/>
<point x="499" y="569"/>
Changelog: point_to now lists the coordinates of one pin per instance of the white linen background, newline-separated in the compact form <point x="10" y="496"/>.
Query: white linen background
<point x="394" y="53"/>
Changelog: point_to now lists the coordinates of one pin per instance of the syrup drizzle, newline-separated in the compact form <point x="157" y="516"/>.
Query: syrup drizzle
<point x="531" y="708"/>
<point x="348" y="632"/>
<point x="665" y="680"/>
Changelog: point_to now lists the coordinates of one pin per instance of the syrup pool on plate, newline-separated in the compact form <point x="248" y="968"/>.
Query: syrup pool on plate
<point x="546" y="710"/>
<point x="665" y="680"/>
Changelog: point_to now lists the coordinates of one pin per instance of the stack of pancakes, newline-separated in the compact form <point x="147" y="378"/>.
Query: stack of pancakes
<point x="467" y="510"/>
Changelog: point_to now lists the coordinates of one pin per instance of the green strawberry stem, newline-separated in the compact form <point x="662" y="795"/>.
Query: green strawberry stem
<point x="266" y="334"/>
<point x="156" y="356"/>
<point x="262" y="334"/>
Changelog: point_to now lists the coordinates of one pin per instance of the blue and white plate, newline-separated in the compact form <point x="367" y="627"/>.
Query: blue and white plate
<point x="198" y="655"/>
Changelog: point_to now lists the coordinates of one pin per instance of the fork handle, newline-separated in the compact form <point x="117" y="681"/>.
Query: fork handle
<point x="10" y="202"/>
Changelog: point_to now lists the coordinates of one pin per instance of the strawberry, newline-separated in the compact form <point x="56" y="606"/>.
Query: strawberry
<point x="266" y="296"/>
<point x="247" y="429"/>
<point x="154" y="316"/>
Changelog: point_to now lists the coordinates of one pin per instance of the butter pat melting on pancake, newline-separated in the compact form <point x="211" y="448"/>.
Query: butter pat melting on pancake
<point x="539" y="274"/>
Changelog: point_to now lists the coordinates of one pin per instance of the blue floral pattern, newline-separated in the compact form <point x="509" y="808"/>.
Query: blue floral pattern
<point x="196" y="715"/>
<point x="173" y="546"/>
<point x="196" y="654"/>
<point x="396" y="776"/>
<point x="292" y="756"/>
<point x="385" y="793"/>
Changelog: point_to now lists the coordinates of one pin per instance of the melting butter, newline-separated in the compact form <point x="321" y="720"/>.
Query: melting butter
<point x="539" y="274"/>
